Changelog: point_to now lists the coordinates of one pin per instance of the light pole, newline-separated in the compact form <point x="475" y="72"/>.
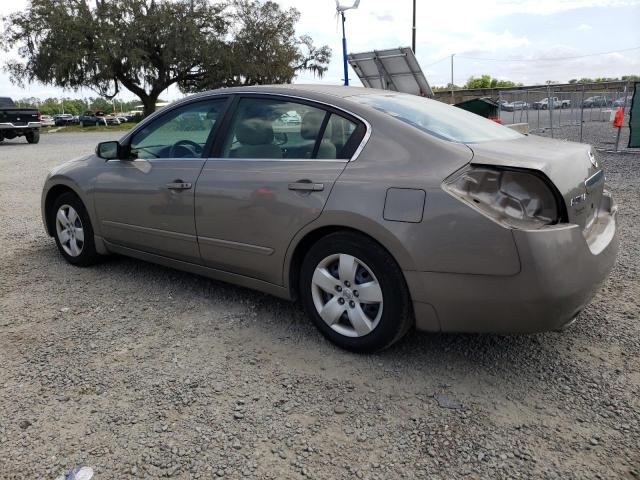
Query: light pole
<point x="341" y="9"/>
<point x="413" y="29"/>
<point x="344" y="53"/>
<point x="452" y="98"/>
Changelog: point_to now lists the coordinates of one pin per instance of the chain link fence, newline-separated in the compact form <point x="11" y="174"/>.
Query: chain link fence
<point x="573" y="114"/>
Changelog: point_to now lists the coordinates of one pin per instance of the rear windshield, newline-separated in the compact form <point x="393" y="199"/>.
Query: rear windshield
<point x="437" y="118"/>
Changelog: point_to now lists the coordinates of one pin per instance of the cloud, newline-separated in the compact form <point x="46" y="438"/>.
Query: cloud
<point x="387" y="17"/>
<point x="499" y="29"/>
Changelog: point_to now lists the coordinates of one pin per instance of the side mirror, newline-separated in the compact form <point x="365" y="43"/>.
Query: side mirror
<point x="109" y="150"/>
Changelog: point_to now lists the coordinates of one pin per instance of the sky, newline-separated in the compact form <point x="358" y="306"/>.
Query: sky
<point x="520" y="40"/>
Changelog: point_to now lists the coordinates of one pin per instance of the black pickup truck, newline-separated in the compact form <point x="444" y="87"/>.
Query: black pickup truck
<point x="18" y="122"/>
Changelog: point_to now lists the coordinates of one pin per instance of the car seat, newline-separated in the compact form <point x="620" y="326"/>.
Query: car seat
<point x="255" y="136"/>
<point x="309" y="129"/>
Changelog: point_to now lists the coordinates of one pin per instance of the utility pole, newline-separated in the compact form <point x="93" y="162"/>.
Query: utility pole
<point x="413" y="30"/>
<point x="344" y="53"/>
<point x="341" y="9"/>
<point x="452" y="98"/>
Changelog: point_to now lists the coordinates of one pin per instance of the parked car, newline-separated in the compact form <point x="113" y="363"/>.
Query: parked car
<point x="91" y="119"/>
<point x="623" y="101"/>
<point x="47" y="121"/>
<point x="63" y="119"/>
<point x="516" y="105"/>
<point x="18" y="121"/>
<point x="112" y="120"/>
<point x="555" y="103"/>
<point x="381" y="211"/>
<point x="596" y="101"/>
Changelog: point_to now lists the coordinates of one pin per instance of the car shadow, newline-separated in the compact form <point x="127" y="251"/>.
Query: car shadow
<point x="515" y="352"/>
<point x="283" y="328"/>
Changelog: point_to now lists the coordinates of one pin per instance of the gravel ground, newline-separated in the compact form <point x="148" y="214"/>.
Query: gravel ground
<point x="140" y="371"/>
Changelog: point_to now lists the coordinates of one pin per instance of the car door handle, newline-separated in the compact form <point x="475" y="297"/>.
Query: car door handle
<point x="307" y="186"/>
<point x="178" y="185"/>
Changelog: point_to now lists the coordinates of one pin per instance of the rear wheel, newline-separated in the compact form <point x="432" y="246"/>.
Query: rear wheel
<point x="33" y="137"/>
<point x="73" y="231"/>
<point x="355" y="293"/>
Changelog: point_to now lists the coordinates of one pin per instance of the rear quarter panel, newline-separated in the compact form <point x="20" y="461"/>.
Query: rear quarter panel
<point x="451" y="237"/>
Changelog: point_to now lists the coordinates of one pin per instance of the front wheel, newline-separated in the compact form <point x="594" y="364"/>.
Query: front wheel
<point x="73" y="231"/>
<point x="355" y="292"/>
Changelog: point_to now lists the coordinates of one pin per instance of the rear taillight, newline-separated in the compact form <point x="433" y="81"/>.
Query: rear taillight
<point x="39" y="115"/>
<point x="515" y="198"/>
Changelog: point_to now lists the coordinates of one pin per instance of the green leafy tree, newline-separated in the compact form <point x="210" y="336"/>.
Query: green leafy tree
<point x="145" y="46"/>
<point x="264" y="49"/>
<point x="486" y="81"/>
<point x="446" y="88"/>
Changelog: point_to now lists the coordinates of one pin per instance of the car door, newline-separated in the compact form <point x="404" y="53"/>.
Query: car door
<point x="146" y="202"/>
<point x="273" y="170"/>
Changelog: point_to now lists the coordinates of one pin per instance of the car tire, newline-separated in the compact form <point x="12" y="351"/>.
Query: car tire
<point x="331" y="272"/>
<point x="77" y="245"/>
<point x="33" y="137"/>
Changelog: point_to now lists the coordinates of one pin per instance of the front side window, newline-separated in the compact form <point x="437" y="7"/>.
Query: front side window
<point x="181" y="133"/>
<point x="438" y="119"/>
<point x="280" y="129"/>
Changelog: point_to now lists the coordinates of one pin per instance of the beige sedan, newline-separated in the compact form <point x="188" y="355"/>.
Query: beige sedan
<point x="379" y="211"/>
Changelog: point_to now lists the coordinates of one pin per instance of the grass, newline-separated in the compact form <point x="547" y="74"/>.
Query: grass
<point x="123" y="127"/>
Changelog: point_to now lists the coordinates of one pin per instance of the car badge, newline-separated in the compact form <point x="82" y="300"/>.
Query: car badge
<point x="592" y="157"/>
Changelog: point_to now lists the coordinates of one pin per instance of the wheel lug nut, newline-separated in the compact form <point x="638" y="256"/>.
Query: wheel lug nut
<point x="341" y="301"/>
<point x="338" y="288"/>
<point x="346" y="283"/>
<point x="355" y="293"/>
<point x="352" y="304"/>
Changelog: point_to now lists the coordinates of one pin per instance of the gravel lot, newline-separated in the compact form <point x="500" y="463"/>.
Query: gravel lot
<point x="140" y="371"/>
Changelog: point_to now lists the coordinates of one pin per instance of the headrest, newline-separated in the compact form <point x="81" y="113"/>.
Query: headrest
<point x="255" y="131"/>
<point x="311" y="123"/>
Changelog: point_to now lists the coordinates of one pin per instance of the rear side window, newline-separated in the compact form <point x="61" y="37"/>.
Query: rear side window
<point x="266" y="128"/>
<point x="338" y="133"/>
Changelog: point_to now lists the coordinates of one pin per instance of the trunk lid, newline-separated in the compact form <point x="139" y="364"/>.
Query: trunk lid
<point x="569" y="165"/>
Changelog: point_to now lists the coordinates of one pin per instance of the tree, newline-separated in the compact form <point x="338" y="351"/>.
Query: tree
<point x="145" y="46"/>
<point x="485" y="81"/>
<point x="264" y="49"/>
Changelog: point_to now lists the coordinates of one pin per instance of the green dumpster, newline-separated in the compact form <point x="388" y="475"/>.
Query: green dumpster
<point x="485" y="107"/>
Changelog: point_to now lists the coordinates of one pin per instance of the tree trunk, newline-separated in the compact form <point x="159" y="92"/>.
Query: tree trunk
<point x="149" y="103"/>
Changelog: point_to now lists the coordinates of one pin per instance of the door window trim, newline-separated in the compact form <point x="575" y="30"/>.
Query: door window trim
<point x="229" y="110"/>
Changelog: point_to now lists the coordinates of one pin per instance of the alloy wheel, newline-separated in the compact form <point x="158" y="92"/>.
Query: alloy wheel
<point x="69" y="230"/>
<point x="347" y="295"/>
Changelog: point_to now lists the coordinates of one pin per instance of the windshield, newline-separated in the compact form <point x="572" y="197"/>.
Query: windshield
<point x="438" y="119"/>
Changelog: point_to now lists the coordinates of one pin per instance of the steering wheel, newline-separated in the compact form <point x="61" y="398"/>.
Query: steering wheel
<point x="197" y="149"/>
<point x="280" y="138"/>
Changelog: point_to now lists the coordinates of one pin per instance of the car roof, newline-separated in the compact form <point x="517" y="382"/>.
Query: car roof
<point x="339" y="91"/>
